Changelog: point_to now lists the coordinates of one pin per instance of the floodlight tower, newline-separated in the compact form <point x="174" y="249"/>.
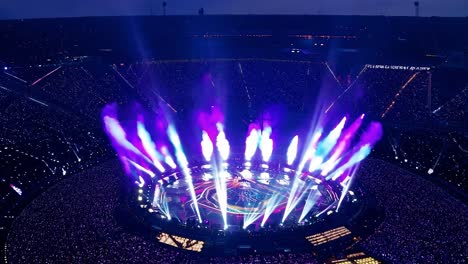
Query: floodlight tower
<point x="416" y="8"/>
<point x="201" y="11"/>
<point x="164" y="4"/>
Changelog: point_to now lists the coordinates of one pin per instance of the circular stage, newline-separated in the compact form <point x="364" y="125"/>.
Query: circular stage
<point x="257" y="195"/>
<point x="266" y="206"/>
<point x="238" y="195"/>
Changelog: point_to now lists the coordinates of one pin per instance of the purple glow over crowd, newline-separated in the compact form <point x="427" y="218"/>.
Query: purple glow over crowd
<point x="153" y="151"/>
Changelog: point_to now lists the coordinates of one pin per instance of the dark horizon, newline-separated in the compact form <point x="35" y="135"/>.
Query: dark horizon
<point x="60" y="9"/>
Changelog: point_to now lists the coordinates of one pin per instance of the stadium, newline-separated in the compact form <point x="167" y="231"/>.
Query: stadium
<point x="242" y="139"/>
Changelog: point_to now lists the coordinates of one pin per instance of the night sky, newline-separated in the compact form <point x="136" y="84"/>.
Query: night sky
<point x="10" y="9"/>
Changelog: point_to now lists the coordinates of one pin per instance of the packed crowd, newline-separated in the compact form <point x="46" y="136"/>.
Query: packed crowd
<point x="423" y="223"/>
<point x="67" y="86"/>
<point x="76" y="219"/>
<point x="53" y="125"/>
<point x="450" y="95"/>
<point x="440" y="155"/>
<point x="401" y="96"/>
<point x="52" y="129"/>
<point x="76" y="222"/>
<point x="42" y="141"/>
<point x="251" y="83"/>
<point x="390" y="94"/>
<point x="425" y="116"/>
<point x="395" y="95"/>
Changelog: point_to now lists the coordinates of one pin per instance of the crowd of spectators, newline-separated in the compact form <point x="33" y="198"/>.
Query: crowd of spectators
<point x="395" y="95"/>
<point x="424" y="114"/>
<point x="58" y="116"/>
<point x="450" y="95"/>
<point x="43" y="140"/>
<point x="423" y="223"/>
<point x="439" y="155"/>
<point x="52" y="129"/>
<point x="251" y="83"/>
<point x="76" y="220"/>
<point x="405" y="100"/>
